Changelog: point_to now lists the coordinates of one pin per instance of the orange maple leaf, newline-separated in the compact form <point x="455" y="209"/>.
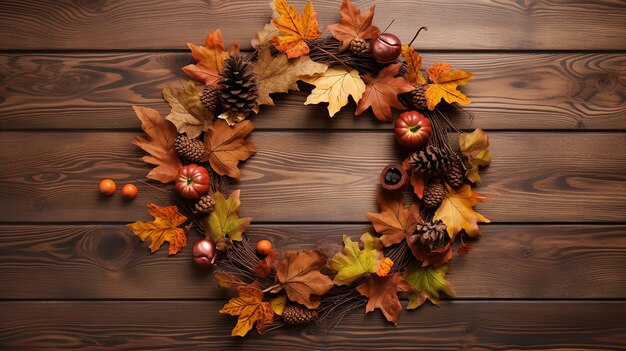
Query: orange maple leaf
<point x="225" y="146"/>
<point x="250" y="309"/>
<point x="210" y="59"/>
<point x="382" y="292"/>
<point x="160" y="144"/>
<point x="444" y="84"/>
<point x="163" y="228"/>
<point x="294" y="29"/>
<point x="414" y="65"/>
<point x="353" y="25"/>
<point x="457" y="212"/>
<point x="381" y="93"/>
<point x="394" y="222"/>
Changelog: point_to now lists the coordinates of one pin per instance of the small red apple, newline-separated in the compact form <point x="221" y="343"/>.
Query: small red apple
<point x="193" y="182"/>
<point x="412" y="129"/>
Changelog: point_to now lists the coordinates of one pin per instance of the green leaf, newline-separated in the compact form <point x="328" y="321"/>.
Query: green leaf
<point x="224" y="224"/>
<point x="429" y="282"/>
<point x="353" y="262"/>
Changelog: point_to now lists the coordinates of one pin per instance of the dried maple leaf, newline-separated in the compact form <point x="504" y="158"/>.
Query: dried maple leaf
<point x="382" y="292"/>
<point x="428" y="282"/>
<point x="160" y="145"/>
<point x="225" y="146"/>
<point x="299" y="274"/>
<point x="353" y="262"/>
<point x="444" y="84"/>
<point x="267" y="265"/>
<point x="188" y="114"/>
<point x="210" y="59"/>
<point x="224" y="225"/>
<point x="457" y="213"/>
<point x="279" y="74"/>
<point x="475" y="149"/>
<point x="250" y="309"/>
<point x="228" y="281"/>
<point x="394" y="222"/>
<point x="381" y="93"/>
<point x="163" y="228"/>
<point x="414" y="65"/>
<point x="354" y="25"/>
<point x="263" y="36"/>
<point x="334" y="86"/>
<point x="294" y="29"/>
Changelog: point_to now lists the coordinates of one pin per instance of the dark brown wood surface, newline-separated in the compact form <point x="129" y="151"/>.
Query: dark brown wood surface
<point x="550" y="87"/>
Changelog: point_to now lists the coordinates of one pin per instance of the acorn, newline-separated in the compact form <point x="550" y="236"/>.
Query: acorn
<point x="386" y="48"/>
<point x="204" y="253"/>
<point x="394" y="177"/>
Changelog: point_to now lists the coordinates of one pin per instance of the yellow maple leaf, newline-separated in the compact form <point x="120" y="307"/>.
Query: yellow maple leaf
<point x="294" y="29"/>
<point x="162" y="229"/>
<point x="414" y="65"/>
<point x="475" y="149"/>
<point x="457" y="211"/>
<point x="444" y="84"/>
<point x="334" y="86"/>
<point x="250" y="309"/>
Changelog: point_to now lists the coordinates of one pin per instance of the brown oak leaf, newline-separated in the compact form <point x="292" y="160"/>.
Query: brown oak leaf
<point x="163" y="228"/>
<point x="382" y="292"/>
<point x="381" y="93"/>
<point x="353" y="24"/>
<point x="394" y="222"/>
<point x="251" y="309"/>
<point x="159" y="145"/>
<point x="299" y="274"/>
<point x="225" y="146"/>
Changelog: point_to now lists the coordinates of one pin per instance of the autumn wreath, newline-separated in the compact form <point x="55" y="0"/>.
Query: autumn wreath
<point x="199" y="144"/>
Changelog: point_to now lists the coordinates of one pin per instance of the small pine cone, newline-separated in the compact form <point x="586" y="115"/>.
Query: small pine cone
<point x="418" y="96"/>
<point x="433" y="195"/>
<point x="455" y="175"/>
<point x="298" y="314"/>
<point x="431" y="161"/>
<point x="189" y="149"/>
<point x="205" y="205"/>
<point x="432" y="234"/>
<point x="359" y="46"/>
<point x="210" y="99"/>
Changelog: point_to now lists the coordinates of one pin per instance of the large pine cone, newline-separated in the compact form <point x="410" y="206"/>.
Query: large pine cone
<point x="418" y="96"/>
<point x="433" y="195"/>
<point x="298" y="314"/>
<point x="210" y="99"/>
<point x="238" y="87"/>
<point x="189" y="149"/>
<point x="455" y="174"/>
<point x="205" y="205"/>
<point x="431" y="234"/>
<point x="430" y="161"/>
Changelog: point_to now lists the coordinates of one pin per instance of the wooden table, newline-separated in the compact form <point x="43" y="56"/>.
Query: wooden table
<point x="549" y="273"/>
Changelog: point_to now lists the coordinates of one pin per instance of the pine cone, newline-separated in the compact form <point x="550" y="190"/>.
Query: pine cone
<point x="189" y="149"/>
<point x="430" y="161"/>
<point x="432" y="234"/>
<point x="455" y="175"/>
<point x="298" y="314"/>
<point x="418" y="96"/>
<point x="210" y="99"/>
<point x="433" y="195"/>
<point x="205" y="205"/>
<point x="359" y="46"/>
<point x="238" y="87"/>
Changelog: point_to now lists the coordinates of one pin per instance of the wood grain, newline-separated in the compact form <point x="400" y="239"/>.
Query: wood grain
<point x="162" y="24"/>
<point x="297" y="176"/>
<point x="509" y="91"/>
<point x="108" y="262"/>
<point x="196" y="325"/>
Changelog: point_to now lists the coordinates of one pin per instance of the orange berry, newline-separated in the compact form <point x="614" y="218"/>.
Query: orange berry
<point x="263" y="247"/>
<point x="107" y="187"/>
<point x="129" y="191"/>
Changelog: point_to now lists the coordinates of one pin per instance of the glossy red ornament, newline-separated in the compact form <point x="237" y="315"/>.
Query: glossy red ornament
<point x="394" y="177"/>
<point x="386" y="48"/>
<point x="204" y="253"/>
<point x="412" y="129"/>
<point x="193" y="182"/>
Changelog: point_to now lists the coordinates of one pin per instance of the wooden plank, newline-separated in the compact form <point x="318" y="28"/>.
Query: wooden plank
<point x="509" y="91"/>
<point x="313" y="177"/>
<point x="477" y="25"/>
<point x="196" y="325"/>
<point x="108" y="262"/>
